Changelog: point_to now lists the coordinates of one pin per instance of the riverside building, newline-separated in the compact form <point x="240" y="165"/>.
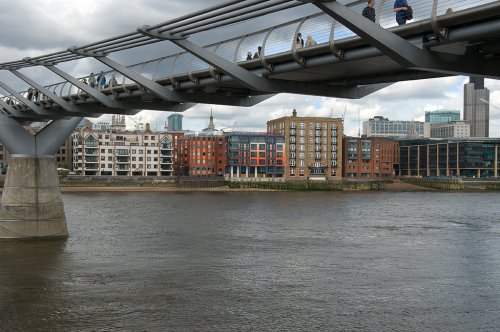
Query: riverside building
<point x="201" y="154"/>
<point x="370" y="157"/>
<point x="120" y="152"/>
<point x="255" y="155"/>
<point x="313" y="146"/>
<point x="472" y="157"/>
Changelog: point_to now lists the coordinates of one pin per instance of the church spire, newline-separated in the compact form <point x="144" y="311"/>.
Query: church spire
<point x="211" y="125"/>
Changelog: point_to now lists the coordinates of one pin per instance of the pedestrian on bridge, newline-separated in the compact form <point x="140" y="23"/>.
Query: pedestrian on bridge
<point x="310" y="41"/>
<point x="299" y="42"/>
<point x="112" y="81"/>
<point x="258" y="53"/>
<point x="101" y="80"/>
<point x="369" y="11"/>
<point x="249" y="56"/>
<point x="400" y="8"/>
<point x="92" y="80"/>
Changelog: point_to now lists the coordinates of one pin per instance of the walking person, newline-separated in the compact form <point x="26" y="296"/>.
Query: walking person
<point x="400" y="8"/>
<point x="299" y="42"/>
<point x="249" y="56"/>
<point x="257" y="54"/>
<point x="310" y="41"/>
<point x="92" y="80"/>
<point x="101" y="80"/>
<point x="112" y="81"/>
<point x="369" y="11"/>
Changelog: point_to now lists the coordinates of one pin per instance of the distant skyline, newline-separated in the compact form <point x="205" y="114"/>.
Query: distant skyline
<point x="60" y="24"/>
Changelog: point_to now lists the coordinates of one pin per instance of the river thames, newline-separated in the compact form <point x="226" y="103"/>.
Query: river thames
<point x="260" y="261"/>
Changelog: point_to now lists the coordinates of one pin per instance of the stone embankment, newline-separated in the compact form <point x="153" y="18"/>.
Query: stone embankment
<point x="435" y="183"/>
<point x="157" y="184"/>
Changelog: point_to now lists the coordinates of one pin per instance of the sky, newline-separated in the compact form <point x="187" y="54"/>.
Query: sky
<point x="30" y="28"/>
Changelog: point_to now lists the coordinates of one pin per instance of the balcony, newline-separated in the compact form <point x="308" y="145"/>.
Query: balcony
<point x="122" y="160"/>
<point x="91" y="160"/>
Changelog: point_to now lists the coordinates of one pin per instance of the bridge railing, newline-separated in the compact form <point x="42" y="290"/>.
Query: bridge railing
<point x="274" y="41"/>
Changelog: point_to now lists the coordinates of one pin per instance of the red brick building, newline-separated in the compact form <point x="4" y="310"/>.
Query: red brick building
<point x="370" y="157"/>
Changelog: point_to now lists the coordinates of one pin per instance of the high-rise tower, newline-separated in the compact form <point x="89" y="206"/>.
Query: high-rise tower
<point x="175" y="122"/>
<point x="476" y="107"/>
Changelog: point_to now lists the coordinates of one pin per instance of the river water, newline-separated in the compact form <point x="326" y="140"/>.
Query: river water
<point x="260" y="261"/>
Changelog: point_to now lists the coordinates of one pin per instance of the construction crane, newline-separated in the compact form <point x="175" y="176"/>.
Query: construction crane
<point x="488" y="103"/>
<point x="139" y="126"/>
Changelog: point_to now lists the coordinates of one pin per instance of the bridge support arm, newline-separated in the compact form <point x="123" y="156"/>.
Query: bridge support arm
<point x="15" y="138"/>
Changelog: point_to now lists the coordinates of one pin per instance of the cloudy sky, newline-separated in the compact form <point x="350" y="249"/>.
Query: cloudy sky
<point x="30" y="28"/>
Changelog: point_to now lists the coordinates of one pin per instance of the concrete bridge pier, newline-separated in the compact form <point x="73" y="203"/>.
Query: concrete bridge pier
<point x="31" y="204"/>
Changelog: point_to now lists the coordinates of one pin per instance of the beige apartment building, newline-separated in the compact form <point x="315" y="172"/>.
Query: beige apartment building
<point x="313" y="146"/>
<point x="120" y="152"/>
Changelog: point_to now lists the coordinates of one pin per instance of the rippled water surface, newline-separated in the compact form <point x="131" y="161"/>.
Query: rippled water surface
<point x="260" y="261"/>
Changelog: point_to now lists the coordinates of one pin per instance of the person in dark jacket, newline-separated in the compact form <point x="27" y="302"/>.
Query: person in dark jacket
<point x="369" y="11"/>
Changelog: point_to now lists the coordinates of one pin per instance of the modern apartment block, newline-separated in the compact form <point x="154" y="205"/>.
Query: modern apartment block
<point x="476" y="107"/>
<point x="370" y="157"/>
<point x="253" y="155"/>
<point x="383" y="127"/>
<point x="114" y="152"/>
<point x="313" y="146"/>
<point x="473" y="157"/>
